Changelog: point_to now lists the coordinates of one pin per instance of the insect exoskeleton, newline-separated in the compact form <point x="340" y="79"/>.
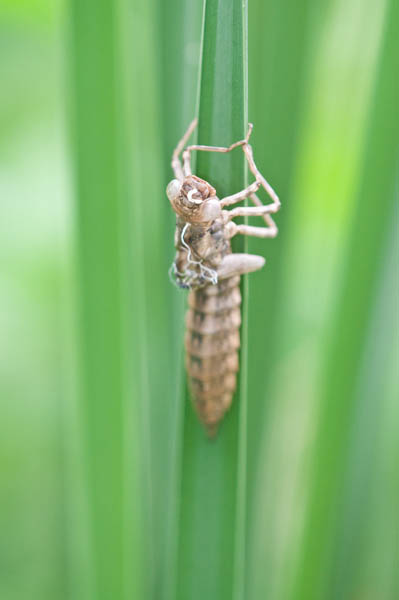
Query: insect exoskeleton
<point x="205" y="265"/>
<point x="194" y="200"/>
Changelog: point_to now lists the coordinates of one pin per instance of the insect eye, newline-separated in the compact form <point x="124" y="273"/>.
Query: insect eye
<point x="173" y="189"/>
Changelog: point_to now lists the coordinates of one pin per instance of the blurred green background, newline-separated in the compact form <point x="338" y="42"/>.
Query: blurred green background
<point x="98" y="472"/>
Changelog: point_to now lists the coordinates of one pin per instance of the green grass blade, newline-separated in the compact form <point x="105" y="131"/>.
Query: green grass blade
<point x="179" y="69"/>
<point x="361" y="279"/>
<point x="278" y="45"/>
<point x="363" y="553"/>
<point x="277" y="66"/>
<point x="314" y="224"/>
<point x="211" y="534"/>
<point x="108" y="270"/>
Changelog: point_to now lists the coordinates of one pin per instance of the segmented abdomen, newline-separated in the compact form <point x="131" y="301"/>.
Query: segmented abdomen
<point x="212" y="342"/>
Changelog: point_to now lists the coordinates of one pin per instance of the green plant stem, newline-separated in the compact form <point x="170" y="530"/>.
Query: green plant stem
<point x="212" y="535"/>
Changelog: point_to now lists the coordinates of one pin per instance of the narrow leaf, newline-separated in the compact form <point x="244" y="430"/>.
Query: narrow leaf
<point x="211" y="533"/>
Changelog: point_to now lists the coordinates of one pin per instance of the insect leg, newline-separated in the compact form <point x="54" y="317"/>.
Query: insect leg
<point x="201" y="148"/>
<point x="176" y="164"/>
<point x="274" y="207"/>
<point x="246" y="193"/>
<point x="260" y="210"/>
<point x="238" y="264"/>
<point x="260" y="232"/>
<point x="251" y="189"/>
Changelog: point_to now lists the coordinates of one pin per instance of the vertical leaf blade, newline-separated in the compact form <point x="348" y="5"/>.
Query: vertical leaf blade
<point x="107" y="335"/>
<point x="212" y="510"/>
<point x="361" y="279"/>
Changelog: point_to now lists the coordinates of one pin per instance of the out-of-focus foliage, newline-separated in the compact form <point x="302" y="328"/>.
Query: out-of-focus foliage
<point x="94" y="500"/>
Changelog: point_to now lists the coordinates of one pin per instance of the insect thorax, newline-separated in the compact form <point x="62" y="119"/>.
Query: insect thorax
<point x="200" y="250"/>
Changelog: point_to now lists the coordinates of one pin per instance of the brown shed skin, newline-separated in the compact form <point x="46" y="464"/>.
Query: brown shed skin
<point x="213" y="318"/>
<point x="212" y="343"/>
<point x="205" y="264"/>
